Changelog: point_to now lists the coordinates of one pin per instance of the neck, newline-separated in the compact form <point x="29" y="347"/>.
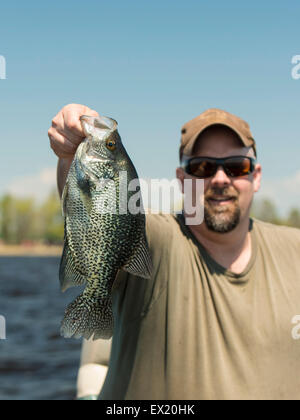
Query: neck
<point x="232" y="250"/>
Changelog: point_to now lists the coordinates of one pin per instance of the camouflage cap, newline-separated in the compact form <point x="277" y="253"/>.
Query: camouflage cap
<point x="192" y="130"/>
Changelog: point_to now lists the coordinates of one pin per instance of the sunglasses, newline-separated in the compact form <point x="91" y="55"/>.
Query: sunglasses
<point x="206" y="167"/>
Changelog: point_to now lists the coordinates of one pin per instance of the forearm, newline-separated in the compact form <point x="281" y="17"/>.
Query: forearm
<point x="93" y="367"/>
<point x="63" y="168"/>
<point x="90" y="380"/>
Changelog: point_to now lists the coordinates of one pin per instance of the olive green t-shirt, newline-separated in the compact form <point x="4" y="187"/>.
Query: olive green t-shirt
<point x="198" y="331"/>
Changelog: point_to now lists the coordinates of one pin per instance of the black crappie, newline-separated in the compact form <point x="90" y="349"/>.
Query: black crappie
<point x="99" y="242"/>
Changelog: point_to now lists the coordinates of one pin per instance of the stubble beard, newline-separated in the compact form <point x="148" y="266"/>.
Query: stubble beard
<point x="222" y="219"/>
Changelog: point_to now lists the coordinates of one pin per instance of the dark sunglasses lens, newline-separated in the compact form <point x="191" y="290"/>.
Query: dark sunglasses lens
<point x="202" y="168"/>
<point x="238" y="167"/>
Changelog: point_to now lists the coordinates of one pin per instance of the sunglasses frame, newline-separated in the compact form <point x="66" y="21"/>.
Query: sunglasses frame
<point x="219" y="162"/>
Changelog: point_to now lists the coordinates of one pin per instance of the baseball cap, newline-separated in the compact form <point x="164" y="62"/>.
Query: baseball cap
<point x="192" y="130"/>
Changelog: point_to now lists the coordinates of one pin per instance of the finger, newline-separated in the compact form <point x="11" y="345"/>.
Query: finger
<point x="92" y="113"/>
<point x="72" y="121"/>
<point x="69" y="134"/>
<point x="67" y="122"/>
<point x="61" y="146"/>
<point x="58" y="124"/>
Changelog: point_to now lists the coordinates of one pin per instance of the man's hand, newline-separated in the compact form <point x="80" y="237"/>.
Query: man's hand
<point x="66" y="132"/>
<point x="65" y="136"/>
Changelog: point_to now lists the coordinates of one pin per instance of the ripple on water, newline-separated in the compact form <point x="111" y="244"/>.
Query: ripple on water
<point x="35" y="362"/>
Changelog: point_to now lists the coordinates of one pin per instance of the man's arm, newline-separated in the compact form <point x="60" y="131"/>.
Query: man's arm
<point x="93" y="368"/>
<point x="65" y="136"/>
<point x="63" y="168"/>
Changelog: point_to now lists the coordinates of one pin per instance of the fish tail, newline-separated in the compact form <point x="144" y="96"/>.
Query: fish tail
<point x="88" y="316"/>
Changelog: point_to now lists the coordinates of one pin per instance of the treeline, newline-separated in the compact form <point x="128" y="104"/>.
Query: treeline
<point x="264" y="209"/>
<point x="23" y="220"/>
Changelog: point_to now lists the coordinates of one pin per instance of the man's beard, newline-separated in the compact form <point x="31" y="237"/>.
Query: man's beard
<point x="221" y="218"/>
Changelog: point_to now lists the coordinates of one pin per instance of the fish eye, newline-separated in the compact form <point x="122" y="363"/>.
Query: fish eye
<point x="111" y="145"/>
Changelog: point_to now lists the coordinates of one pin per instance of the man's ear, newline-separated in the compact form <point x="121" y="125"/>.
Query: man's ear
<point x="257" y="177"/>
<point x="180" y="176"/>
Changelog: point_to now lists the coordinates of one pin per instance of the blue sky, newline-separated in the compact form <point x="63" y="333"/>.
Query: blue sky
<point x="152" y="66"/>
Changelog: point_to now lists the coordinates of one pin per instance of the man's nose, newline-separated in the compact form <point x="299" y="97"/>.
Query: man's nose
<point x="220" y="178"/>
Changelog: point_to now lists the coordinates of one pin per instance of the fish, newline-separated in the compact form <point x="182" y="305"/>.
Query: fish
<point x="102" y="233"/>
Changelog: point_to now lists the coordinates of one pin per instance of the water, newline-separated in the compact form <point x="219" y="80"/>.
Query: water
<point x="35" y="362"/>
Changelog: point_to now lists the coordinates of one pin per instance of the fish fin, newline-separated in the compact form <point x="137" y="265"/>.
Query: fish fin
<point x="84" y="183"/>
<point x="141" y="263"/>
<point x="68" y="275"/>
<point x="88" y="316"/>
<point x="83" y="179"/>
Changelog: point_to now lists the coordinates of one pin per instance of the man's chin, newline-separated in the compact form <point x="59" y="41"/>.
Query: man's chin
<point x="222" y="222"/>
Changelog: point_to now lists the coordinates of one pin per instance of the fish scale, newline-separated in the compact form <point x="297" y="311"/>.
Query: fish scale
<point x="99" y="243"/>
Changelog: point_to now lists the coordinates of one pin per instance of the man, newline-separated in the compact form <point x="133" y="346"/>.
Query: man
<point x="216" y="319"/>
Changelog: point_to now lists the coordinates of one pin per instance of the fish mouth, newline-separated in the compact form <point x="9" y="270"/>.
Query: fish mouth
<point x="100" y="128"/>
<point x="100" y="123"/>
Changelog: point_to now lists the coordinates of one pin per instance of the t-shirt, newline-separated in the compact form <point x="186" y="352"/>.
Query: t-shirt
<point x="197" y="331"/>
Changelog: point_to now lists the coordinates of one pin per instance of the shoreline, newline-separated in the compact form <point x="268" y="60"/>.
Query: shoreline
<point x="36" y="250"/>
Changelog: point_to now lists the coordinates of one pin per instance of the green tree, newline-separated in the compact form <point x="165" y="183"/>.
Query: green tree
<point x="17" y="219"/>
<point x="294" y="218"/>
<point x="51" y="220"/>
<point x="7" y="219"/>
<point x="25" y="213"/>
<point x="266" y="211"/>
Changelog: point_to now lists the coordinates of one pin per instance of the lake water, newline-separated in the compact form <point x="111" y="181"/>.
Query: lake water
<point x="35" y="362"/>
